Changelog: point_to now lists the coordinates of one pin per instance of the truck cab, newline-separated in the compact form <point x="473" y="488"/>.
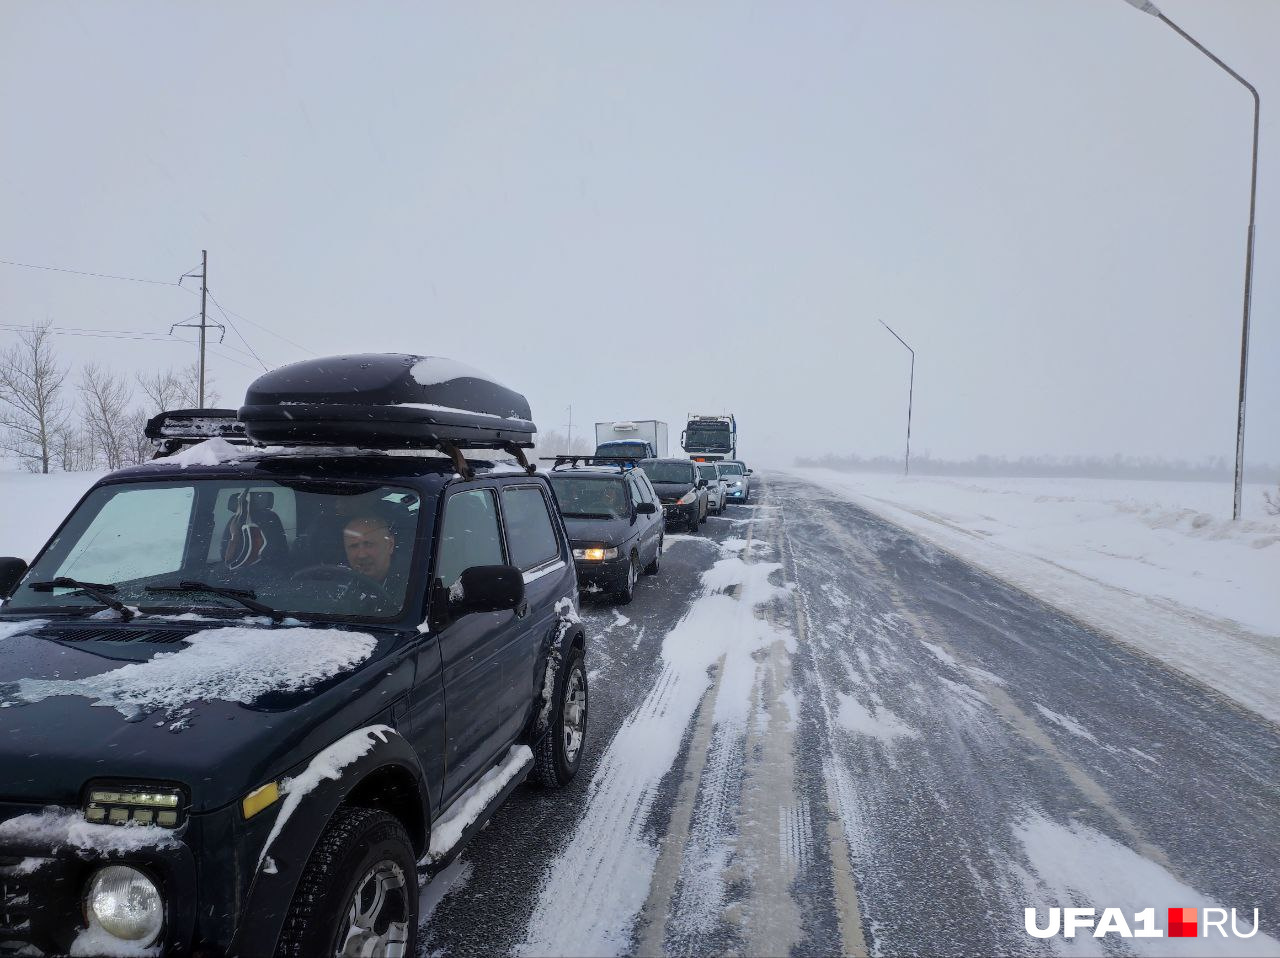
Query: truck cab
<point x="710" y="437"/>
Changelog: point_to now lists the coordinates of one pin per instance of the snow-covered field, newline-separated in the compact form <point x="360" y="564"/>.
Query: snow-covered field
<point x="33" y="505"/>
<point x="1158" y="565"/>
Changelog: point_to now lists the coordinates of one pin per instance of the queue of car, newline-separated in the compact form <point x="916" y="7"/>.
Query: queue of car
<point x="366" y="646"/>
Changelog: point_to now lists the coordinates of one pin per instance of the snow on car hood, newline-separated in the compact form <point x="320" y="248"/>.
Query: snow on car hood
<point x="216" y="713"/>
<point x="232" y="665"/>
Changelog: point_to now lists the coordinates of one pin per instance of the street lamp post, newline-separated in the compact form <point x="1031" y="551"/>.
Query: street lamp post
<point x="911" y="388"/>
<point x="1146" y="6"/>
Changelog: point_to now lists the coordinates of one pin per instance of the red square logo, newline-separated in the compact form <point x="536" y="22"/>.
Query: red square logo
<point x="1182" y="923"/>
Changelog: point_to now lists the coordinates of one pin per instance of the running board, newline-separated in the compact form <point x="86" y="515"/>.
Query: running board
<point x="472" y="810"/>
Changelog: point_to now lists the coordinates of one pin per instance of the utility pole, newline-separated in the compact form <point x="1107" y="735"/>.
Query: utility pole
<point x="204" y="292"/>
<point x="569" y="448"/>
<point x="204" y="322"/>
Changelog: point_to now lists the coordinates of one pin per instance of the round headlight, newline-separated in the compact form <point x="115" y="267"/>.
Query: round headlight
<point x="125" y="903"/>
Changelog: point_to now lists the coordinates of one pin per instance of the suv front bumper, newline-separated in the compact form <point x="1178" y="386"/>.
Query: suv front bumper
<point x="42" y="889"/>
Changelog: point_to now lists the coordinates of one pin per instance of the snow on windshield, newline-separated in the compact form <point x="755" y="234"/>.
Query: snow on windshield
<point x="230" y="665"/>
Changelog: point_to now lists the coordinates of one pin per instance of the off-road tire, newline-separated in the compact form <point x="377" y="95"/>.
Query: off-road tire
<point x="652" y="567"/>
<point x="355" y="840"/>
<point x="551" y="768"/>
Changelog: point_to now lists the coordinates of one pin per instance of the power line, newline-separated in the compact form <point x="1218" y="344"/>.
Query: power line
<point x="265" y="329"/>
<point x="236" y="330"/>
<point x="81" y="272"/>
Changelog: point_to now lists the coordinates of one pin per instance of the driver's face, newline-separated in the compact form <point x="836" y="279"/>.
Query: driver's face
<point x="369" y="546"/>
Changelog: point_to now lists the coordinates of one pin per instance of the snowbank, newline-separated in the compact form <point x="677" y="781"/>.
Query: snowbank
<point x="1158" y="565"/>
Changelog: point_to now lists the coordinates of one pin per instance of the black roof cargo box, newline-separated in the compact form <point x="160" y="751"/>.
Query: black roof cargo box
<point x="385" y="401"/>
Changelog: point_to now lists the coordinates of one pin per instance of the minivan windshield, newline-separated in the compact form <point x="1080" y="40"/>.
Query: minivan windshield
<point x="301" y="548"/>
<point x="659" y="471"/>
<point x="708" y="471"/>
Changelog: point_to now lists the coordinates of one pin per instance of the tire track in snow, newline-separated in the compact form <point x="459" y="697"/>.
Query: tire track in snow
<point x="611" y="852"/>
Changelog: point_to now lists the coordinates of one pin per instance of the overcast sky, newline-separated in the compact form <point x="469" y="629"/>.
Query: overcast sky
<point x="644" y="210"/>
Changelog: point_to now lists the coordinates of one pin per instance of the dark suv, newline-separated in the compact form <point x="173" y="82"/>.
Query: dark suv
<point x="614" y="522"/>
<point x="246" y="695"/>
<point x="682" y="491"/>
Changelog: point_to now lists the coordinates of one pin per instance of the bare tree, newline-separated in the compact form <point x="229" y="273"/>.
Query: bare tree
<point x="107" y="419"/>
<point x="32" y="411"/>
<point x="1273" y="502"/>
<point x="72" y="450"/>
<point x="174" y="389"/>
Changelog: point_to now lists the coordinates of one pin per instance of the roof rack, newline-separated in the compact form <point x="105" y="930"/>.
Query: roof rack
<point x="169" y="431"/>
<point x="623" y="463"/>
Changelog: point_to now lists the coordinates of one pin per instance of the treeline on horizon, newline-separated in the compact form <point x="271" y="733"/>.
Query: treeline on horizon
<point x="1218" y="469"/>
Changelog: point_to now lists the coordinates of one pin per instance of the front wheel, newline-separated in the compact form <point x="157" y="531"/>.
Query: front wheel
<point x="559" y="754"/>
<point x="627" y="591"/>
<point x="359" y="892"/>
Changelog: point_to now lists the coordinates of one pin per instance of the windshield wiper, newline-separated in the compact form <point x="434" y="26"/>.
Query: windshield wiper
<point x="245" y="597"/>
<point x="94" y="590"/>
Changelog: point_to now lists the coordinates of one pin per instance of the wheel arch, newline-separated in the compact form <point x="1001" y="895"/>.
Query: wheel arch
<point x="391" y="763"/>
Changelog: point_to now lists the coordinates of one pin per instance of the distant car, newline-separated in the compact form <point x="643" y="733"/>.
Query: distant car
<point x="615" y="525"/>
<point x="627" y="449"/>
<point x="738" y="476"/>
<point x="717" y="488"/>
<point x="682" y="491"/>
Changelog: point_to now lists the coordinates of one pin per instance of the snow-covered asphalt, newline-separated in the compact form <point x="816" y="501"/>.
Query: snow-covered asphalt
<point x="816" y="734"/>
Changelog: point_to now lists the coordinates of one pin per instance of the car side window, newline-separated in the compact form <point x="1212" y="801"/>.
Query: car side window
<point x="530" y="532"/>
<point x="469" y="535"/>
<point x="633" y="488"/>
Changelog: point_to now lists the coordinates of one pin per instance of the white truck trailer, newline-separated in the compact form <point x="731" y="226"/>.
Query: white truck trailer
<point x="636" y="432"/>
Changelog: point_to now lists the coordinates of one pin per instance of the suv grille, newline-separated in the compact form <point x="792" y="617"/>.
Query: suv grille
<point x="15" y="907"/>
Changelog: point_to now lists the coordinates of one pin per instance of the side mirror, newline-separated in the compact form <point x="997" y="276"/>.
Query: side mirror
<point x="487" y="588"/>
<point x="645" y="508"/>
<point x="11" y="572"/>
<point x="702" y="483"/>
<point x="748" y="472"/>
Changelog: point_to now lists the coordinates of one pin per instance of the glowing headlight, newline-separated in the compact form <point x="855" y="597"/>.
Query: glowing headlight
<point x="125" y="903"/>
<point x="595" y="555"/>
<point x="142" y="806"/>
<point x="687" y="498"/>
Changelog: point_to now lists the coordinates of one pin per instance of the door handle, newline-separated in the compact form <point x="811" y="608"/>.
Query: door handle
<point x="522" y="610"/>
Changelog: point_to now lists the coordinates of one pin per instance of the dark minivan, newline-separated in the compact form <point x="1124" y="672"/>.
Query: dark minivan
<point x="682" y="491"/>
<point x="249" y="692"/>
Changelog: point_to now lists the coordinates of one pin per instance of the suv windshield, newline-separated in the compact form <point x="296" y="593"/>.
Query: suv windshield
<point x="668" y="471"/>
<point x="332" y="549"/>
<point x="590" y="498"/>
<point x="730" y="469"/>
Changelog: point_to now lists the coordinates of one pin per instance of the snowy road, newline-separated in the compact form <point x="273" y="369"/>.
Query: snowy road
<point x="816" y="734"/>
